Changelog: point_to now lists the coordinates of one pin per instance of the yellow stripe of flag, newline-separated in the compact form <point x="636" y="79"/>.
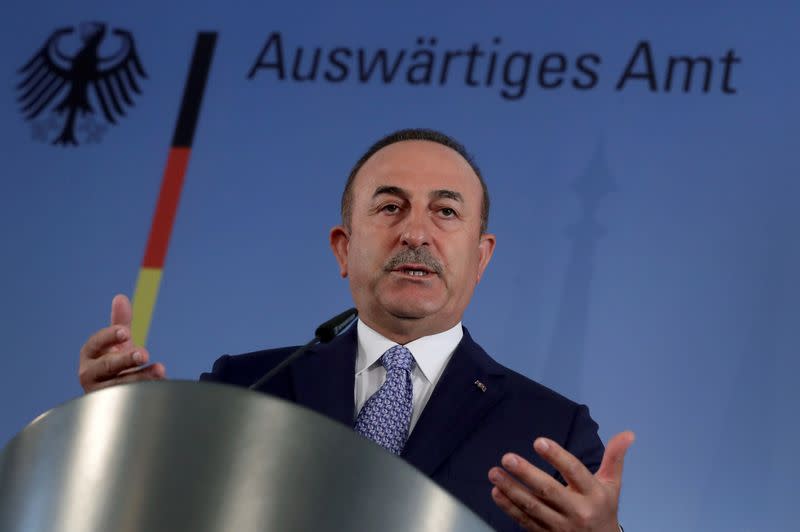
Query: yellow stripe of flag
<point x="144" y="301"/>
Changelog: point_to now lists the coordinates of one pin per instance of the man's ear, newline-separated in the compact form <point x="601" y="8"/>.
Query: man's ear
<point x="486" y="250"/>
<point x="340" y="244"/>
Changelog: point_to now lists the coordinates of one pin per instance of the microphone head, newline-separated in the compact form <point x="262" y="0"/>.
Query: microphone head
<point x="331" y="328"/>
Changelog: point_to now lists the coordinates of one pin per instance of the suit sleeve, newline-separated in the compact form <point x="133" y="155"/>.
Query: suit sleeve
<point x="218" y="372"/>
<point x="583" y="441"/>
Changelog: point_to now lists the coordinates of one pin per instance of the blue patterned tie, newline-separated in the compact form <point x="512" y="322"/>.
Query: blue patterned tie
<point x="386" y="416"/>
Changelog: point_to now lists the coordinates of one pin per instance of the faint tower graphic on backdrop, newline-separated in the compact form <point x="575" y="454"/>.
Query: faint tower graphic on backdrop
<point x="565" y="355"/>
<point x="83" y="80"/>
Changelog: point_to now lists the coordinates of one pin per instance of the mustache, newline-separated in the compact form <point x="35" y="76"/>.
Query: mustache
<point x="419" y="255"/>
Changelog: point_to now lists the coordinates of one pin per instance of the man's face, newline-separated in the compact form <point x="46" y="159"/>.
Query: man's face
<point x="414" y="251"/>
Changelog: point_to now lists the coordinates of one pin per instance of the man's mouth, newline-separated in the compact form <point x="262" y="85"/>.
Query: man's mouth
<point x="414" y="270"/>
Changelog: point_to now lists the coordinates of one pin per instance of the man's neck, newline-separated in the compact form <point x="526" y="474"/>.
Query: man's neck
<point x="404" y="331"/>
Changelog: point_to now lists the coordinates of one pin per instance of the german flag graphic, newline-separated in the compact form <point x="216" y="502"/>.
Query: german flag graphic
<point x="149" y="280"/>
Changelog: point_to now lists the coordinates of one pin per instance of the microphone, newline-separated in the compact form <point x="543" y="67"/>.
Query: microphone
<point x="324" y="334"/>
<point x="331" y="328"/>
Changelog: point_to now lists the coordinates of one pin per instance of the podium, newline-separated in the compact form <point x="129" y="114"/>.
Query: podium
<point x="186" y="456"/>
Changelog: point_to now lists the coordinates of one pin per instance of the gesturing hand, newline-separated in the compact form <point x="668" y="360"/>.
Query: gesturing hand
<point x="110" y="357"/>
<point x="537" y="501"/>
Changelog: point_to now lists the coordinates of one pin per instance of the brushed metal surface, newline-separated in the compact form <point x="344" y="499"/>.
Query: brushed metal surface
<point x="172" y="456"/>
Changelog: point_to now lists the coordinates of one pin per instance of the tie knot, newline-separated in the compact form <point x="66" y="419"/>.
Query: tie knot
<point x="397" y="357"/>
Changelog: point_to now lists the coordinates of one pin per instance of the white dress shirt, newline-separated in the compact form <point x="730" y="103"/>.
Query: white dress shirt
<point x="431" y="354"/>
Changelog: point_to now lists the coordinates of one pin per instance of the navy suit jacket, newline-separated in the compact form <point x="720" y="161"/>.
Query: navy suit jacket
<point x="464" y="430"/>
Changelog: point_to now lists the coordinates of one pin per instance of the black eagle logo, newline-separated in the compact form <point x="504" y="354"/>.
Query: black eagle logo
<point x="52" y="73"/>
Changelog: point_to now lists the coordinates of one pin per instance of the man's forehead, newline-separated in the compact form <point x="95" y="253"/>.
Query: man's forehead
<point x="417" y="164"/>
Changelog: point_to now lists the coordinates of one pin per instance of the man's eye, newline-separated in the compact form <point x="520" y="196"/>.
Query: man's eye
<point x="390" y="208"/>
<point x="447" y="212"/>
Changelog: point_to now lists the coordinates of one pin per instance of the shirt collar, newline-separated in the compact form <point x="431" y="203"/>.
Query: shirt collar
<point x="431" y="353"/>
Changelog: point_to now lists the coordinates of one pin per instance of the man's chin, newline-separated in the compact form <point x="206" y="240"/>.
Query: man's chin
<point x="411" y="301"/>
<point x="411" y="311"/>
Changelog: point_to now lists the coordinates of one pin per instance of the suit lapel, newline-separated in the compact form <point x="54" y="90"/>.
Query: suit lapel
<point x="471" y="385"/>
<point x="324" y="379"/>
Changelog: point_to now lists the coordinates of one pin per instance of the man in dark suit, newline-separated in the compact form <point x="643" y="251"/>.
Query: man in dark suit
<point x="413" y="243"/>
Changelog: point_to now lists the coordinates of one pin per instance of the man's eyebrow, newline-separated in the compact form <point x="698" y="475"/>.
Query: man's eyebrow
<point x="402" y="193"/>
<point x="447" y="194"/>
<point x="390" y="190"/>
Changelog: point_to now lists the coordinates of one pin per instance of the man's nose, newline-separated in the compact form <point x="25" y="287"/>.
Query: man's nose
<point x="416" y="230"/>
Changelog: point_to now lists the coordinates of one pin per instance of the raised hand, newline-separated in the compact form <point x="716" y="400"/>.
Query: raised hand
<point x="537" y="501"/>
<point x="110" y="357"/>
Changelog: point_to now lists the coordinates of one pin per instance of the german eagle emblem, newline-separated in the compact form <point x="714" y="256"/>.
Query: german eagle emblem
<point x="72" y="86"/>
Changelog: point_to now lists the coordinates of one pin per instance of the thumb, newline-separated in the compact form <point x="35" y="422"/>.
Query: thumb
<point x="614" y="457"/>
<point x="121" y="313"/>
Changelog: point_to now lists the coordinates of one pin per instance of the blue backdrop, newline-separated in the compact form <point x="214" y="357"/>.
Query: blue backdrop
<point x="647" y="260"/>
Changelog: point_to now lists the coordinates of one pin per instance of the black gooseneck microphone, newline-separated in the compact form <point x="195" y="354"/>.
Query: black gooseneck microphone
<point x="324" y="334"/>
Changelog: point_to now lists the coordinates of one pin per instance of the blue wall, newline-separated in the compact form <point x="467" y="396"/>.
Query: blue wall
<point x="647" y="259"/>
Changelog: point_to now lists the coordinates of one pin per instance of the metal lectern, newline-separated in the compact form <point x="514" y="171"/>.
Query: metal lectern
<point x="184" y="456"/>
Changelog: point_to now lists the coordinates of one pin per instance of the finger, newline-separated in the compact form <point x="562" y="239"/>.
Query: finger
<point x="121" y="312"/>
<point x="526" y="499"/>
<point x="110" y="365"/>
<point x="574" y="472"/>
<point x="155" y="372"/>
<point x="516" y="513"/>
<point x="541" y="484"/>
<point x="103" y="340"/>
<point x="614" y="458"/>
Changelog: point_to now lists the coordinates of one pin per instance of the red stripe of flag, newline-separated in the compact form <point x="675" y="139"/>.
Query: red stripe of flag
<point x="166" y="208"/>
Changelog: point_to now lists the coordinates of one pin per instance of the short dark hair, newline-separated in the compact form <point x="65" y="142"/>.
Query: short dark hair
<point x="414" y="134"/>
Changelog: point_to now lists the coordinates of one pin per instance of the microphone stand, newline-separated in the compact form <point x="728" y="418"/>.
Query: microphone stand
<point x="324" y="334"/>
